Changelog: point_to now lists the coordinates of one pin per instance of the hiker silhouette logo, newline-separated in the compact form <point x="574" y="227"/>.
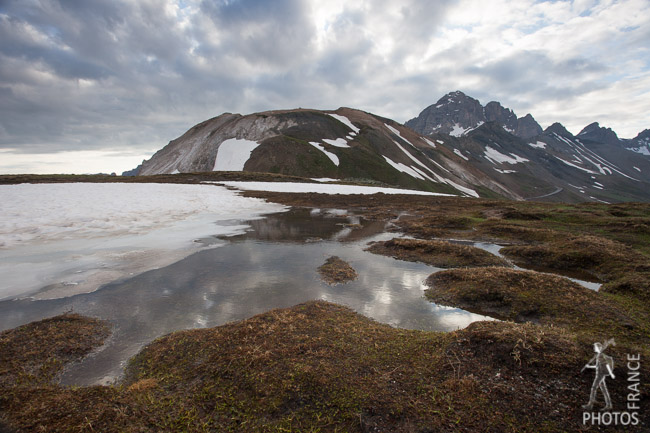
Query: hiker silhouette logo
<point x="604" y="366"/>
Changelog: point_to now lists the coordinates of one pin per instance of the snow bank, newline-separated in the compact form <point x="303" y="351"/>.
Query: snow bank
<point x="497" y="157"/>
<point x="345" y="121"/>
<point x="233" y="154"/>
<point x="403" y="168"/>
<point x="76" y="237"/>
<point x="322" y="188"/>
<point x="330" y="155"/>
<point x="396" y="132"/>
<point x="339" y="142"/>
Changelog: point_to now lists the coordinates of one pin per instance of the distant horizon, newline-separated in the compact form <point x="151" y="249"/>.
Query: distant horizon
<point x="99" y="86"/>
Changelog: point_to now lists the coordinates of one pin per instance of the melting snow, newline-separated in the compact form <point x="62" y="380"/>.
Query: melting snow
<point x="467" y="191"/>
<point x="176" y="171"/>
<point x="429" y="142"/>
<point x="79" y="236"/>
<point x="505" y="171"/>
<point x="459" y="153"/>
<point x="330" y="155"/>
<point x="637" y="169"/>
<point x="233" y="154"/>
<point x="345" y="121"/>
<point x="643" y="150"/>
<point x="440" y="141"/>
<point x="578" y="167"/>
<point x="497" y="157"/>
<point x="339" y="142"/>
<point x="325" y="179"/>
<point x="414" y="159"/>
<point x="404" y="168"/>
<point x="323" y="188"/>
<point x="457" y="131"/>
<point x="396" y="132"/>
<point x="538" y="145"/>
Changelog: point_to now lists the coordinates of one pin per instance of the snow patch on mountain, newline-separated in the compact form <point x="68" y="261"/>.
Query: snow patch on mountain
<point x="233" y="154"/>
<point x="339" y="142"/>
<point x="429" y="142"/>
<point x="458" y="130"/>
<point x="497" y="157"/>
<point x="404" y="168"/>
<point x="459" y="153"/>
<point x="330" y="155"/>
<point x="324" y="188"/>
<point x="577" y="166"/>
<point x="396" y="132"/>
<point x="538" y="145"/>
<point x="345" y="121"/>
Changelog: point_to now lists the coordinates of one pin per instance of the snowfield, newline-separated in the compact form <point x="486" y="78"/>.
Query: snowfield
<point x="233" y="154"/>
<point x="76" y="237"/>
<point x="322" y="188"/>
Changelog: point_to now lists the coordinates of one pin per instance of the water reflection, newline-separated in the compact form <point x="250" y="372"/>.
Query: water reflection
<point x="268" y="267"/>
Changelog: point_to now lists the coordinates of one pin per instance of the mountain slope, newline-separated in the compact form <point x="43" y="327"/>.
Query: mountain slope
<point x="342" y="144"/>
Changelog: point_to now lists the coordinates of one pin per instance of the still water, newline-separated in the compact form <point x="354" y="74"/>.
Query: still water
<point x="273" y="265"/>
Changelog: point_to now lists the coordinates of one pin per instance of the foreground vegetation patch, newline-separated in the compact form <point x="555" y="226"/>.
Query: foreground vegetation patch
<point x="438" y="253"/>
<point x="321" y="367"/>
<point x="36" y="353"/>
<point x="337" y="271"/>
<point x="528" y="296"/>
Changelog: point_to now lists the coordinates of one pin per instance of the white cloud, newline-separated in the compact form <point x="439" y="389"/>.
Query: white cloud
<point x="126" y="74"/>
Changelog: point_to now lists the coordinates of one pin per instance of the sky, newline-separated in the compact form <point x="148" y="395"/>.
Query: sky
<point x="98" y="86"/>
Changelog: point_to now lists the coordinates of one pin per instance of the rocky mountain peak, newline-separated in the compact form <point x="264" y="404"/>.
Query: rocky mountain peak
<point x="456" y="114"/>
<point x="453" y="114"/>
<point x="495" y="112"/>
<point x="527" y="127"/>
<point x="595" y="132"/>
<point x="558" y="129"/>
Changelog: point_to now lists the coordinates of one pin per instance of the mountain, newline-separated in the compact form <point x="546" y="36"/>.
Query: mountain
<point x="594" y="132"/>
<point x="470" y="150"/>
<point x="457" y="114"/>
<point x="639" y="144"/>
<point x="343" y="144"/>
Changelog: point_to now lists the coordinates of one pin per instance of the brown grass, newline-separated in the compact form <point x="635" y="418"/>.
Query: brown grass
<point x="441" y="254"/>
<point x="321" y="367"/>
<point x="37" y="352"/>
<point x="336" y="271"/>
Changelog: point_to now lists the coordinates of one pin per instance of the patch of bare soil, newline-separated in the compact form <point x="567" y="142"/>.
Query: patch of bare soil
<point x="337" y="271"/>
<point x="438" y="253"/>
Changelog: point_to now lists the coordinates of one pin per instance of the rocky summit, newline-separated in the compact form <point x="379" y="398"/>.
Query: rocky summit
<point x="456" y="114"/>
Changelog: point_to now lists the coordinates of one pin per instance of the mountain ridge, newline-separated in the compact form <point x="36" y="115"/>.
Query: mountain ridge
<point x="473" y="151"/>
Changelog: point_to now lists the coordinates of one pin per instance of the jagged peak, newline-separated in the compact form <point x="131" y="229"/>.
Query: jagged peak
<point x="558" y="129"/>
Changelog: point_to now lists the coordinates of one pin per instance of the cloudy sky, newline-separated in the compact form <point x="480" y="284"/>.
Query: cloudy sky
<point x="98" y="85"/>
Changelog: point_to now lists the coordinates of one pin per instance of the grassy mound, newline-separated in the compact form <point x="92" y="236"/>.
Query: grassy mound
<point x="528" y="296"/>
<point x="441" y="254"/>
<point x="337" y="271"/>
<point x="37" y="352"/>
<point x="321" y="367"/>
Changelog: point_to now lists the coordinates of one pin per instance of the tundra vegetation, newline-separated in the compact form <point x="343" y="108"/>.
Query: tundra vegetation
<point x="322" y="367"/>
